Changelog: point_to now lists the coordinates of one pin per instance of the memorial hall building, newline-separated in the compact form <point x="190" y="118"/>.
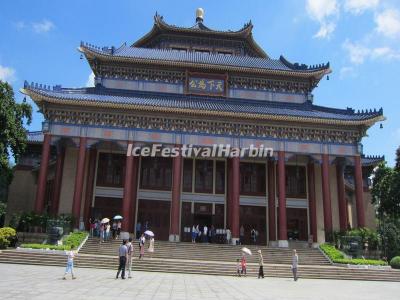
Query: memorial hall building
<point x="179" y="86"/>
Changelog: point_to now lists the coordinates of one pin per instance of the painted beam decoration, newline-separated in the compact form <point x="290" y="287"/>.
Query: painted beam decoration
<point x="204" y="84"/>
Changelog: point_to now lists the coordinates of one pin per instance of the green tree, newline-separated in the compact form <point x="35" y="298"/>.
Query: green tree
<point x="397" y="166"/>
<point x="13" y="137"/>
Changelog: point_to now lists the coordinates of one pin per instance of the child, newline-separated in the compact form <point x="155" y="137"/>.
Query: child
<point x="238" y="270"/>
<point x="243" y="263"/>
<point x="70" y="263"/>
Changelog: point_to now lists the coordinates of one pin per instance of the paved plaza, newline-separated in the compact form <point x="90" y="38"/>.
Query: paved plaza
<point x="41" y="282"/>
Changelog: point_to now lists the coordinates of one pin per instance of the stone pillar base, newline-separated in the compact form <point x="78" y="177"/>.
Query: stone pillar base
<point x="283" y="244"/>
<point x="174" y="238"/>
<point x="234" y="241"/>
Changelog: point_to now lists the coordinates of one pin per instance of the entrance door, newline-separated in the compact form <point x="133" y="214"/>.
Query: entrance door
<point x="157" y="214"/>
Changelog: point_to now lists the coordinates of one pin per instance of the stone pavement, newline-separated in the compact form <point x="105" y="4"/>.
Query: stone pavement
<point x="42" y="282"/>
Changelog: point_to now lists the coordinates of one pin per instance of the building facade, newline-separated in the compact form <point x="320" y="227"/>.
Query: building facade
<point x="196" y="86"/>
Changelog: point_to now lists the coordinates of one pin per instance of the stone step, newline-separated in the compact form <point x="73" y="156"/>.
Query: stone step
<point x="212" y="268"/>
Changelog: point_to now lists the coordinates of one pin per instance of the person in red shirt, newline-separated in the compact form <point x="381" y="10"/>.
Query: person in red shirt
<point x="243" y="263"/>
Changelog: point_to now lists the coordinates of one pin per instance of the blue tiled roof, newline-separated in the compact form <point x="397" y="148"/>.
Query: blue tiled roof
<point x="203" y="103"/>
<point x="374" y="160"/>
<point x="35" y="137"/>
<point x="203" y="58"/>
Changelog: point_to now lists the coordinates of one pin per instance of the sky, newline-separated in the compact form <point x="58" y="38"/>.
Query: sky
<point x="360" y="39"/>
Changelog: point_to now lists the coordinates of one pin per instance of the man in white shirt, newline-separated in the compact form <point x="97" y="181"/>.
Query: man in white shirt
<point x="205" y="231"/>
<point x="129" y="246"/>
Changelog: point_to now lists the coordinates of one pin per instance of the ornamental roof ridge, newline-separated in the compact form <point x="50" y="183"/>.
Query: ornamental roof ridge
<point x="244" y="108"/>
<point x="169" y="55"/>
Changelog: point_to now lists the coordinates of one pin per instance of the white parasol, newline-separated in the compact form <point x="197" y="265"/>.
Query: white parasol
<point x="118" y="217"/>
<point x="246" y="250"/>
<point x="105" y="220"/>
<point x="149" y="233"/>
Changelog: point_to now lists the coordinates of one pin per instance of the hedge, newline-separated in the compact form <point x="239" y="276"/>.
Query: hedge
<point x="338" y="257"/>
<point x="74" y="239"/>
<point x="395" y="262"/>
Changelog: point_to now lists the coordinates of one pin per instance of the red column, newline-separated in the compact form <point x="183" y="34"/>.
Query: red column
<point x="42" y="179"/>
<point x="132" y="208"/>
<point x="326" y="197"/>
<point x="282" y="197"/>
<point x="359" y="192"/>
<point x="176" y="197"/>
<point x="235" y="197"/>
<point x="126" y="201"/>
<point x="311" y="200"/>
<point x="341" y="196"/>
<point x="228" y="194"/>
<point x="90" y="185"/>
<point x="79" y="177"/>
<point x="271" y="201"/>
<point x="58" y="180"/>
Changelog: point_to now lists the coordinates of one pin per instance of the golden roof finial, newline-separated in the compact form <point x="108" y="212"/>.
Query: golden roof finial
<point x="199" y="15"/>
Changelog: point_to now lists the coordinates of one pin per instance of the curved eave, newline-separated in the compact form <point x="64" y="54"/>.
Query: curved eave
<point x="160" y="26"/>
<point x="40" y="99"/>
<point x="318" y="74"/>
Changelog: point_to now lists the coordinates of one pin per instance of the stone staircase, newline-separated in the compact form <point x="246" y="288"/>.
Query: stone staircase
<point x="209" y="252"/>
<point x="202" y="259"/>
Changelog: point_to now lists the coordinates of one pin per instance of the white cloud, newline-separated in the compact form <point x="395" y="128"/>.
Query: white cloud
<point x="7" y="74"/>
<point x="388" y="23"/>
<point x="347" y="72"/>
<point x="20" y="25"/>
<point x="325" y="30"/>
<point x="359" y="6"/>
<point x="325" y="13"/>
<point x="90" y="81"/>
<point x="358" y="52"/>
<point x="321" y="9"/>
<point x="43" y="26"/>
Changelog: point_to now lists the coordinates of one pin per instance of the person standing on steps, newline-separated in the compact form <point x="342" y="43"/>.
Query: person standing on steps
<point x="244" y="264"/>
<point x="129" y="255"/>
<point x="138" y="230"/>
<point x="205" y="234"/>
<point x="151" y="247"/>
<point x="108" y="226"/>
<point x="295" y="263"/>
<point x="142" y="240"/>
<point x="194" y="234"/>
<point x="241" y="235"/>
<point x="261" y="265"/>
<point x="119" y="225"/>
<point x="70" y="263"/>
<point x="123" y="252"/>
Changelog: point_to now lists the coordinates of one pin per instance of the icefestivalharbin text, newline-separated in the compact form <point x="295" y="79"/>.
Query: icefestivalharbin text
<point x="195" y="151"/>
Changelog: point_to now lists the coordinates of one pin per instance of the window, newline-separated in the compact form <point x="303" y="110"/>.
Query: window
<point x="110" y="169"/>
<point x="252" y="179"/>
<point x="156" y="173"/>
<point x="204" y="176"/>
<point x="220" y="177"/>
<point x="296" y="182"/>
<point x="187" y="175"/>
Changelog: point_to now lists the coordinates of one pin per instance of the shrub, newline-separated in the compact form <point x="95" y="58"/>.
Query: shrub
<point x="74" y="239"/>
<point x="337" y="256"/>
<point x="6" y="235"/>
<point x="395" y="262"/>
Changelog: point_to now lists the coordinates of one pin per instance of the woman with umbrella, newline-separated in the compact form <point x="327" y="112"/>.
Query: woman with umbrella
<point x="151" y="243"/>
<point x="243" y="260"/>
<point x="117" y="220"/>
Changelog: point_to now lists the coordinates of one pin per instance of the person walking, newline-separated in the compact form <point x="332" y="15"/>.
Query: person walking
<point x="138" y="230"/>
<point x="102" y="232"/>
<point x="142" y="240"/>
<point x="123" y="252"/>
<point x="119" y="225"/>
<point x="238" y="268"/>
<point x="261" y="265"/>
<point x="295" y="263"/>
<point x="114" y="230"/>
<point x="108" y="226"/>
<point x="243" y="262"/>
<point x="129" y="246"/>
<point x="151" y="247"/>
<point x="228" y="236"/>
<point x="70" y="263"/>
<point x="241" y="235"/>
<point x="194" y="234"/>
<point x="205" y="234"/>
